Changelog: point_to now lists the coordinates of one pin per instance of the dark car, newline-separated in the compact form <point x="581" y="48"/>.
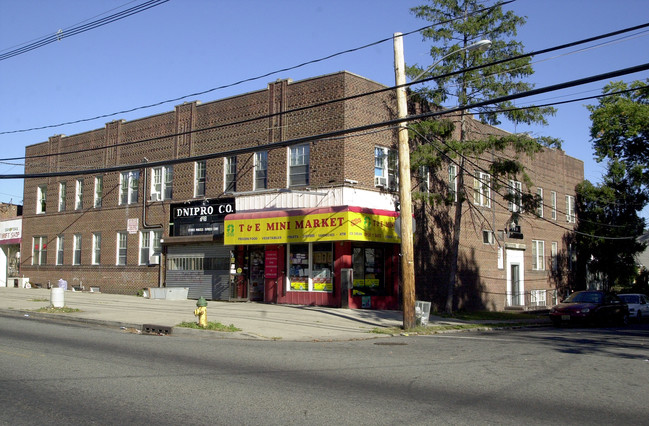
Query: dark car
<point x="590" y="307"/>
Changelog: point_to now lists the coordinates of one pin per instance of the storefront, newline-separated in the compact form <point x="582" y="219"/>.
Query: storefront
<point x="10" y="237"/>
<point x="195" y="255"/>
<point x="306" y="256"/>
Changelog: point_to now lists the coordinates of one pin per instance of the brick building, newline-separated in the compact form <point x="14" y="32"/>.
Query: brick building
<point x="236" y="200"/>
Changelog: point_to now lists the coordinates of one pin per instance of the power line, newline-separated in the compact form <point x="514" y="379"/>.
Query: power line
<point x="69" y="32"/>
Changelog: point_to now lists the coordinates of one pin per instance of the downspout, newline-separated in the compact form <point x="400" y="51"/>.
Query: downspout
<point x="146" y="225"/>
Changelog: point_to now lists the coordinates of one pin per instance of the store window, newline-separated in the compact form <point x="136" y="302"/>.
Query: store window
<point x="310" y="267"/>
<point x="369" y="271"/>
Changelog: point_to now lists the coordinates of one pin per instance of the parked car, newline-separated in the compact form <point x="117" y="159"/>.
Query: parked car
<point x="592" y="307"/>
<point x="638" y="305"/>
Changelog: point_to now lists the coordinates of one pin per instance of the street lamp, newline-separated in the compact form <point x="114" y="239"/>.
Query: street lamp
<point x="407" y="257"/>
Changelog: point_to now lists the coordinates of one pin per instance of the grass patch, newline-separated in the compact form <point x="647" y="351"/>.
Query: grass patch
<point x="39" y="300"/>
<point x="433" y="329"/>
<point x="216" y="326"/>
<point x="53" y="310"/>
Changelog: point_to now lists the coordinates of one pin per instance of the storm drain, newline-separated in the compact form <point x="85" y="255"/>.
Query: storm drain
<point x="156" y="329"/>
<point x="390" y="343"/>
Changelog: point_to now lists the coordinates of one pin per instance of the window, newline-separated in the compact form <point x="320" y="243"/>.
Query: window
<point x="386" y="163"/>
<point x="538" y="262"/>
<point x="78" y="195"/>
<point x="424" y="179"/>
<point x="149" y="245"/>
<point x="488" y="237"/>
<point x="121" y="248"/>
<point x="230" y="177"/>
<point x="369" y="271"/>
<point x="553" y="204"/>
<point x="261" y="170"/>
<point x="298" y="174"/>
<point x="555" y="253"/>
<point x="452" y="182"/>
<point x="39" y="250"/>
<point x="99" y="191"/>
<point x="199" y="178"/>
<point x="59" y="249"/>
<point x="310" y="267"/>
<point x="482" y="189"/>
<point x="63" y="192"/>
<point x="515" y="190"/>
<point x="96" y="248"/>
<point x="41" y="199"/>
<point x="162" y="183"/>
<point x="539" y="209"/>
<point x="129" y="183"/>
<point x="76" y="249"/>
<point x="538" y="298"/>
<point x="570" y="209"/>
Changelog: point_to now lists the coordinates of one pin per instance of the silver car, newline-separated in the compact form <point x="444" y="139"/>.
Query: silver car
<point x="638" y="305"/>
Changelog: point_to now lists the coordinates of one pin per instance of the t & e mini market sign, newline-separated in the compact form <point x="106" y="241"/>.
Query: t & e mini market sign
<point x="327" y="224"/>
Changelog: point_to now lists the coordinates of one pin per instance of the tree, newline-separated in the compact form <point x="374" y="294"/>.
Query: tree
<point x="608" y="227"/>
<point x="457" y="25"/>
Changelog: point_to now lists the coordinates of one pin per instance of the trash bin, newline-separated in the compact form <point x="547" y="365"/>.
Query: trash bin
<point x="422" y="312"/>
<point x="57" y="297"/>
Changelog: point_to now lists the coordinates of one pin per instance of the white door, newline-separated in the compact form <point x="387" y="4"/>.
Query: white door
<point x="515" y="278"/>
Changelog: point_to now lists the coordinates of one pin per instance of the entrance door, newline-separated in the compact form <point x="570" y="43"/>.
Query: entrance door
<point x="256" y="268"/>
<point x="516" y="285"/>
<point x="515" y="278"/>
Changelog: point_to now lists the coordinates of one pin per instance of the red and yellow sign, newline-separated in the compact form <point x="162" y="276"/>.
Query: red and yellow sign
<point x="328" y="224"/>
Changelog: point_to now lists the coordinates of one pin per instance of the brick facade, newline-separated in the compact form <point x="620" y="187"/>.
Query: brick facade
<point x="241" y="125"/>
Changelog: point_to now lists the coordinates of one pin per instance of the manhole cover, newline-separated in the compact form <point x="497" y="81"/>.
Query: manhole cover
<point x="390" y="343"/>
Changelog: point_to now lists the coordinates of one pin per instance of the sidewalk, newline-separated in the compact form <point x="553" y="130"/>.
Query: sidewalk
<point x="256" y="320"/>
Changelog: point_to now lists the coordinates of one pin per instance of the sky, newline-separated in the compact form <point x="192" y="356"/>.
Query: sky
<point x="184" y="47"/>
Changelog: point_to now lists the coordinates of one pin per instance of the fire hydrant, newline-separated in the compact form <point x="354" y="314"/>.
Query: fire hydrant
<point x="201" y="312"/>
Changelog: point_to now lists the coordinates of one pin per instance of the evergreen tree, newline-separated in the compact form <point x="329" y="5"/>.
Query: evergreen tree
<point x="457" y="24"/>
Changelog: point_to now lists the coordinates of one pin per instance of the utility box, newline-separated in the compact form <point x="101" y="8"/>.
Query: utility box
<point x="422" y="312"/>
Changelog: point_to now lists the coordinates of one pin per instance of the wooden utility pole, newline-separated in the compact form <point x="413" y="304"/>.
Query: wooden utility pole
<point x="407" y="258"/>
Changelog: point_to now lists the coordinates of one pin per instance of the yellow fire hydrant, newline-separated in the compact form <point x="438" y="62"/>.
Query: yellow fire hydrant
<point x="201" y="312"/>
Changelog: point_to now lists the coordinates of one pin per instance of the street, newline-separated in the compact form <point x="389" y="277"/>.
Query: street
<point x="67" y="374"/>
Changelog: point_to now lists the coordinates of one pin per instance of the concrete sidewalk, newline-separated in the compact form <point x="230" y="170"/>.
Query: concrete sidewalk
<point x="258" y="321"/>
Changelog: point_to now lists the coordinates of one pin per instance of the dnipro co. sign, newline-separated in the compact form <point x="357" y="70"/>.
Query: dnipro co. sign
<point x="335" y="224"/>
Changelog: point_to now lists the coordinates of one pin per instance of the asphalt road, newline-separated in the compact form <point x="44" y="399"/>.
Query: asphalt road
<point x="58" y="374"/>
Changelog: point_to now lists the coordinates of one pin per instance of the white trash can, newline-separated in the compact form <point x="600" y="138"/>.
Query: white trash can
<point x="57" y="297"/>
<point x="422" y="312"/>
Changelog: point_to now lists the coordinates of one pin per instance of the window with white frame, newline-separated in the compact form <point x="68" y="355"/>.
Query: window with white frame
<point x="488" y="237"/>
<point x="570" y="209"/>
<point x="515" y="192"/>
<point x="452" y="182"/>
<point x="539" y="209"/>
<point x="41" y="199"/>
<point x="538" y="255"/>
<point x="261" y="170"/>
<point x="482" y="189"/>
<point x="63" y="193"/>
<point x="310" y="267"/>
<point x="162" y="183"/>
<point x="78" y="195"/>
<point x="299" y="162"/>
<point x="129" y="184"/>
<point x="39" y="250"/>
<point x="99" y="191"/>
<point x="76" y="249"/>
<point x="149" y="245"/>
<point x="386" y="167"/>
<point x="96" y="248"/>
<point x="230" y="174"/>
<point x="553" y="205"/>
<point x="538" y="298"/>
<point x="121" y="247"/>
<point x="555" y="253"/>
<point x="200" y="173"/>
<point x="60" y="242"/>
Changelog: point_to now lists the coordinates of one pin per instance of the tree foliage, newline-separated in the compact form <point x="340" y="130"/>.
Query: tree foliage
<point x="456" y="25"/>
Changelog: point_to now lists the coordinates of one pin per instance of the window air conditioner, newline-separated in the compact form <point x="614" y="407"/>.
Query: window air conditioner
<point x="154" y="260"/>
<point x="155" y="197"/>
<point x="380" y="181"/>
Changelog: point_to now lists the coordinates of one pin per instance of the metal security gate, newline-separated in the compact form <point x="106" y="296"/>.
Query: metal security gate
<point x="203" y="268"/>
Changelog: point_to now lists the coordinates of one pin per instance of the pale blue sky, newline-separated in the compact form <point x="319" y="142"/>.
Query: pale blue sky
<point x="187" y="46"/>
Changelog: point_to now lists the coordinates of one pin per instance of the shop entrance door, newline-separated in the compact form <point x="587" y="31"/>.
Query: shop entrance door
<point x="256" y="268"/>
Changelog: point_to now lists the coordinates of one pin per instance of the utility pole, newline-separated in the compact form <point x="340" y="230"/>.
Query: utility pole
<point x="407" y="258"/>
